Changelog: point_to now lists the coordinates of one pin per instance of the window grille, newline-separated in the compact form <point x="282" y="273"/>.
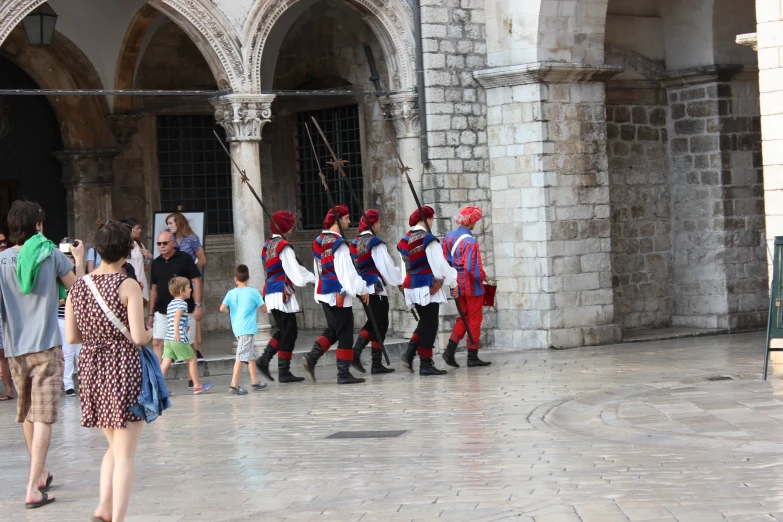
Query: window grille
<point x="195" y="171"/>
<point x="341" y="126"/>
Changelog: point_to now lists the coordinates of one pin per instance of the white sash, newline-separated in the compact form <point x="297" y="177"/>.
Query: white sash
<point x="457" y="242"/>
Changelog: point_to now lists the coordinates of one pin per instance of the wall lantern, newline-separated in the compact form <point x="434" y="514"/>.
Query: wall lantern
<point x="39" y="25"/>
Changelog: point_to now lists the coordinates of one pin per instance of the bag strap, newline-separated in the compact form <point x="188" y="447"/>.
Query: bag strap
<point x="457" y="242"/>
<point x="110" y="315"/>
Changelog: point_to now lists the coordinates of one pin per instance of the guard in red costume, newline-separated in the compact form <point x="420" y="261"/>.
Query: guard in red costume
<point x="378" y="271"/>
<point x="282" y="272"/>
<point x="338" y="284"/>
<point x="426" y="273"/>
<point x="462" y="252"/>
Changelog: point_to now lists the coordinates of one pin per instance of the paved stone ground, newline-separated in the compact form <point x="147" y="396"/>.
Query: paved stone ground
<point x="628" y="432"/>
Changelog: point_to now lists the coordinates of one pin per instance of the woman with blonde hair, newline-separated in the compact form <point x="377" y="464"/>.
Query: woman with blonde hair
<point x="185" y="239"/>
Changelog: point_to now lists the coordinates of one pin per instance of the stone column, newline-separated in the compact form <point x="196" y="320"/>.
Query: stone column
<point x="769" y="17"/>
<point x="550" y="200"/>
<point x="402" y="110"/>
<point x="243" y="116"/>
<point x="88" y="176"/>
<point x="718" y="209"/>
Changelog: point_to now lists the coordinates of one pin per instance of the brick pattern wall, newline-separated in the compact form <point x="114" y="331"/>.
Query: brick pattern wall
<point x="637" y="141"/>
<point x="550" y="196"/>
<point x="454" y="44"/>
<point x="720" y="278"/>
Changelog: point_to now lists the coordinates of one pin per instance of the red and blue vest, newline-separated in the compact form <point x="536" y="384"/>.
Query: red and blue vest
<point x="324" y="248"/>
<point x="413" y="247"/>
<point x="361" y="251"/>
<point x="273" y="265"/>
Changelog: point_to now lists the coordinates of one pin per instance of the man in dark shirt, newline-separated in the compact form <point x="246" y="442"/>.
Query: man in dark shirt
<point x="171" y="263"/>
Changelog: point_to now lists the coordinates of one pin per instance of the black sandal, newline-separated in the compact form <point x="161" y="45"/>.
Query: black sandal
<point x="48" y="485"/>
<point x="35" y="505"/>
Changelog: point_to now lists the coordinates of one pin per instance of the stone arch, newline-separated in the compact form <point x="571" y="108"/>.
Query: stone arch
<point x="390" y="20"/>
<point x="62" y="65"/>
<point x="129" y="55"/>
<point x="202" y="22"/>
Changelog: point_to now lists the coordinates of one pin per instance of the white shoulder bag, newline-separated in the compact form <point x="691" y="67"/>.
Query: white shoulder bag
<point x="110" y="315"/>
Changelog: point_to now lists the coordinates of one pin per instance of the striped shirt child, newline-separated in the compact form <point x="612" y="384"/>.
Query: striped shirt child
<point x="171" y="310"/>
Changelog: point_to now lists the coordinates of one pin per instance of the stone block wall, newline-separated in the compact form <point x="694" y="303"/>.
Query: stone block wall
<point x="454" y="44"/>
<point x="718" y="234"/>
<point x="550" y="196"/>
<point x="637" y="140"/>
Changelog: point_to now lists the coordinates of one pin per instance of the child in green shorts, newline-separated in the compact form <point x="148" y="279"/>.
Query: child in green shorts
<point x="176" y="345"/>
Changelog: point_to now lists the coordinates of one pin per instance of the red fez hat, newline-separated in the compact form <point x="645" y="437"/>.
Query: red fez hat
<point x="373" y="216"/>
<point x="342" y="210"/>
<point x="416" y="216"/>
<point x="468" y="215"/>
<point x="282" y="219"/>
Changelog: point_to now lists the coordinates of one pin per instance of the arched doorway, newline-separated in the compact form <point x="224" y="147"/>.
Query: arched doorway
<point x="29" y="136"/>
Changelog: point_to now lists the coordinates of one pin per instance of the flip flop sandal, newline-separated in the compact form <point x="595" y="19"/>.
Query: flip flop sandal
<point x="4" y="398"/>
<point x="237" y="390"/>
<point x="35" y="505"/>
<point x="48" y="485"/>
<point x="258" y="387"/>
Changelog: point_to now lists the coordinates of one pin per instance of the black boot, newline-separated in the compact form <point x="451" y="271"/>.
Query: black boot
<point x="377" y="365"/>
<point x="410" y="353"/>
<point x="262" y="363"/>
<point x="448" y="355"/>
<point x="310" y="359"/>
<point x="473" y="359"/>
<point x="427" y="367"/>
<point x="344" y="375"/>
<point x="361" y="342"/>
<point x="284" y="371"/>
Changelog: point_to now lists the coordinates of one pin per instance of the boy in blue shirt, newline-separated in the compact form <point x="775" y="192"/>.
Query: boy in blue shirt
<point x="243" y="302"/>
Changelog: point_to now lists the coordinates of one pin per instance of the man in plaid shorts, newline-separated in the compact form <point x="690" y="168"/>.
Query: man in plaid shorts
<point x="31" y="334"/>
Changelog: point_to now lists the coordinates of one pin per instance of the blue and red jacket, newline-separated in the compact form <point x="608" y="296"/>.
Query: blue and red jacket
<point x="276" y="278"/>
<point x="413" y="246"/>
<point x="466" y="260"/>
<point x="324" y="248"/>
<point x="361" y="251"/>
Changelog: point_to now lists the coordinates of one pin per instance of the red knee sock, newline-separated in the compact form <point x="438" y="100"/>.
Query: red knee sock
<point x="415" y="338"/>
<point x="274" y="343"/>
<point x="375" y="345"/>
<point x="365" y="334"/>
<point x="344" y="354"/>
<point x="425" y="352"/>
<point x="324" y="342"/>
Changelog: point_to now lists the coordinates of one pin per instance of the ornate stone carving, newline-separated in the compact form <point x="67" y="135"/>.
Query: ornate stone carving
<point x="394" y="16"/>
<point x="403" y="111"/>
<point x="87" y="168"/>
<point x="243" y="115"/>
<point x="124" y="126"/>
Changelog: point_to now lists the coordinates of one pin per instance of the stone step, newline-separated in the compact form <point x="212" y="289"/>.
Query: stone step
<point x="223" y="364"/>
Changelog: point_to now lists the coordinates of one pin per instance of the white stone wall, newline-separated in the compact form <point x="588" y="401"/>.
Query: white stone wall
<point x="769" y="14"/>
<point x="454" y="44"/>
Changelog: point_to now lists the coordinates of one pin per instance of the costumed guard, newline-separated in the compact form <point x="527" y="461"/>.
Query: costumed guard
<point x="378" y="271"/>
<point x="427" y="271"/>
<point x="462" y="252"/>
<point x="338" y="283"/>
<point x="282" y="271"/>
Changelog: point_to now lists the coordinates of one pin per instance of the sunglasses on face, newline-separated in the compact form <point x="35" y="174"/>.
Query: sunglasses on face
<point x="4" y="242"/>
<point x="162" y="243"/>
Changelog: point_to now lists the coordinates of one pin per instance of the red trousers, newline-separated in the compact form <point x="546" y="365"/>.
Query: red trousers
<point x="473" y="307"/>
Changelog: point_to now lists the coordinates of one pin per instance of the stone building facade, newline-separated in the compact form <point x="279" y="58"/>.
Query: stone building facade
<point x="624" y="151"/>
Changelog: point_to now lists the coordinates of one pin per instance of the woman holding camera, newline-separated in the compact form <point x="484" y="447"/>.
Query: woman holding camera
<point x="110" y="368"/>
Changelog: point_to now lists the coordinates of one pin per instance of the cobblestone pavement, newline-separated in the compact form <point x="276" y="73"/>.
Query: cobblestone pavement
<point x="630" y="432"/>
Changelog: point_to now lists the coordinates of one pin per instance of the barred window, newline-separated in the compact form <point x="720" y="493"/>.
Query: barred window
<point x="195" y="172"/>
<point x="341" y="126"/>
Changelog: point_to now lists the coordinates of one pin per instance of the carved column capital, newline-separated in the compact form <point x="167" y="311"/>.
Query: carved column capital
<point x="87" y="168"/>
<point x="243" y="115"/>
<point x="403" y="111"/>
<point x="124" y="126"/>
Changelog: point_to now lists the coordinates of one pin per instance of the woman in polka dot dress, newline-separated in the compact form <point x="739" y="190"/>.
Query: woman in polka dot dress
<point x="110" y="373"/>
